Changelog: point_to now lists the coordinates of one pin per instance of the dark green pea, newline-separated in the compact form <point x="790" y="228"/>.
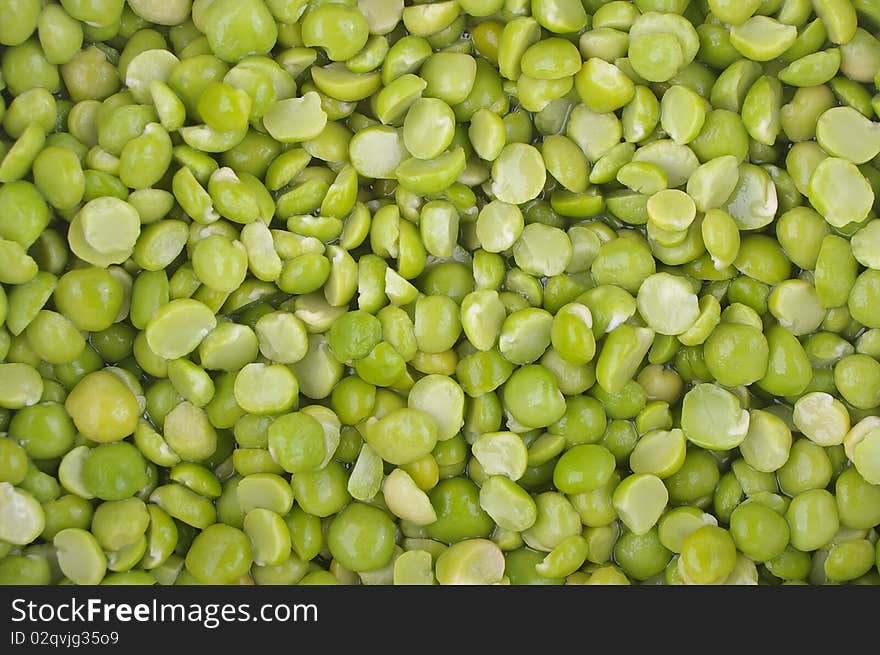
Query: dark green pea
<point x="459" y="515"/>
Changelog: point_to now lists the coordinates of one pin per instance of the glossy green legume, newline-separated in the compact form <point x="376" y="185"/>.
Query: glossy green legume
<point x="502" y="276"/>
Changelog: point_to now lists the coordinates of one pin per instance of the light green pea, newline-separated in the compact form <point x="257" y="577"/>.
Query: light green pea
<point x="159" y="244"/>
<point x="393" y="101"/>
<point x="366" y="476"/>
<point x="532" y="397"/>
<point x="708" y="556"/>
<point x="119" y="523"/>
<point x="414" y="567"/>
<point x="437" y="323"/>
<point x="660" y="452"/>
<point x="621" y="355"/>
<point x="676" y="524"/>
<point x="179" y="327"/>
<point x="712" y="417"/>
<point x="556" y="521"/>
<point x="605" y="42"/>
<point x="228" y="347"/>
<point x="565" y="559"/>
<point x="220" y="554"/>
<point x="283" y="337"/>
<point x="655" y="56"/>
<point x="761" y="38"/>
<point x="340" y="30"/>
<point x="616" y="159"/>
<point x="25" y="216"/>
<point x="501" y="453"/>
<point x="602" y="86"/>
<point x="104" y="231"/>
<point x="678" y="162"/>
<point x="424" y="20"/>
<point x="153" y="65"/>
<point x="220" y="263"/>
<point x="370" y="57"/>
<point x="761" y="110"/>
<point x="269" y="536"/>
<point x="398" y="289"/>
<point x="59" y="177"/>
<point x="434" y="175"/>
<point x="80" y="557"/>
<point x="16" y="266"/>
<point x="443" y="400"/>
<point x="517" y="36"/>
<point x="296" y="119"/>
<point x="339" y="83"/>
<point x="482" y="315"/>
<point x="542" y="250"/>
<point x="661" y="292"/>
<point x="23" y="516"/>
<point x="839" y="18"/>
<point x="17" y="162"/>
<point x="26" y="300"/>
<point x="405" y="56"/>
<point x="596" y="134"/>
<point x="736" y="353"/>
<point x="188" y="432"/>
<point x="839" y="192"/>
<point x="232" y="197"/>
<point x="507" y="503"/>
<point x="671" y="209"/>
<point x="812" y="69"/>
<point x="797" y="306"/>
<point x="641" y="115"/>
<point x="844" y="132"/>
<point x="525" y="335"/>
<point x="470" y="562"/>
<point x="865" y="456"/>
<point x="572" y="333"/>
<point x="858" y="57"/>
<point x="169" y="107"/>
<point x="162" y="536"/>
<point x="153" y="445"/>
<point x="754" y="201"/>
<point x="734" y="13"/>
<point x="207" y="139"/>
<point x="185" y="505"/>
<point x="682" y="114"/>
<point x="450" y="76"/>
<point x="799" y="117"/>
<point x="406" y="500"/>
<point x="566" y="162"/>
<point x="639" y="501"/>
<point x="848" y="560"/>
<point x="439" y="226"/>
<point x="263" y="259"/>
<point x="70" y="472"/>
<point x="536" y="95"/>
<point x="767" y="443"/>
<point x="193" y="198"/>
<point x="191" y="382"/>
<point x="384" y="435"/>
<point x="864" y="244"/>
<point x="721" y="237"/>
<point x="266" y="389"/>
<point x="835" y="271"/>
<point x="264" y="490"/>
<point x="499" y="225"/>
<point x="518" y="173"/>
<point x="821" y="418"/>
